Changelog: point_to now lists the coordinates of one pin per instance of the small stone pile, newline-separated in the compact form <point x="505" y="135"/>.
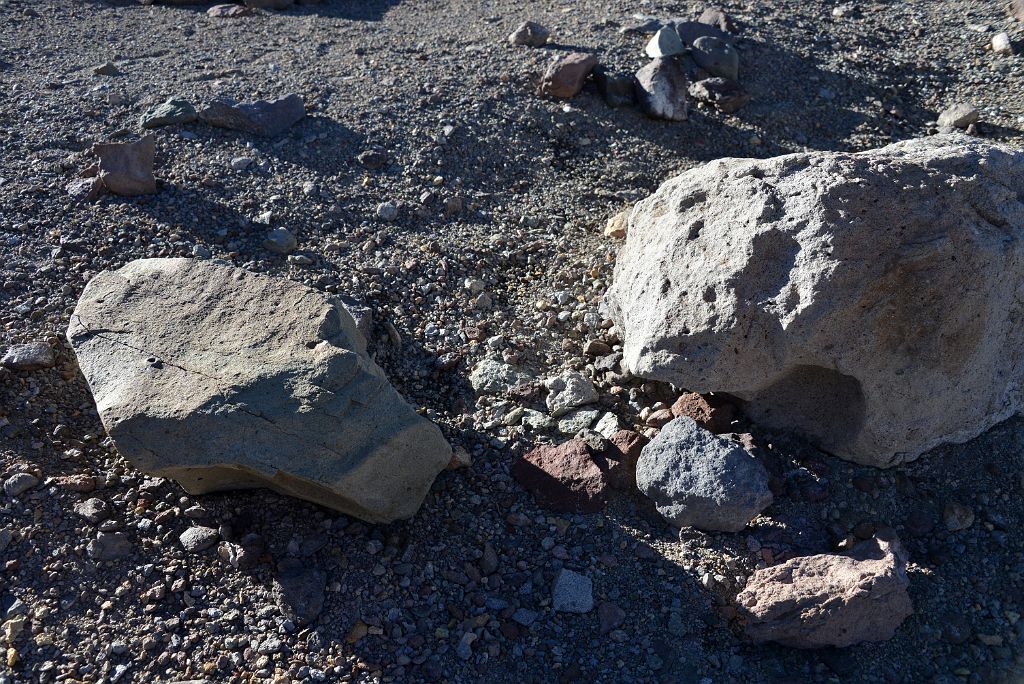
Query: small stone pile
<point x="695" y="60"/>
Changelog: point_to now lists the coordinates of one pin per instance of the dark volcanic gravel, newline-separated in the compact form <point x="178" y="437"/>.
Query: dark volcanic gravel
<point x="497" y="252"/>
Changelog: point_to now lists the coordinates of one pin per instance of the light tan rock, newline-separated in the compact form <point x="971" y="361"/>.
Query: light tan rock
<point x="616" y="226"/>
<point x="220" y="378"/>
<point x="871" y="301"/>
<point x="828" y="599"/>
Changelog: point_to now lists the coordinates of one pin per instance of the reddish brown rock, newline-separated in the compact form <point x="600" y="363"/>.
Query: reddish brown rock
<point x="619" y="459"/>
<point x="127" y="168"/>
<point x="565" y="77"/>
<point x="562" y="478"/>
<point x="712" y="413"/>
<point x="722" y="93"/>
<point x="828" y="599"/>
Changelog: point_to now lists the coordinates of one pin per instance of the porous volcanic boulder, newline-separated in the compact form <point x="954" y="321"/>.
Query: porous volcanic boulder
<point x="871" y="300"/>
<point x="829" y="599"/>
<point x="220" y="378"/>
<point x="698" y="479"/>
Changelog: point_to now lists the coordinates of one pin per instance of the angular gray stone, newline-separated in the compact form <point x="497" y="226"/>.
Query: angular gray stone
<point x="661" y="89"/>
<point x="717" y="57"/>
<point x="224" y="379"/>
<point x="93" y="510"/>
<point x="568" y="391"/>
<point x="280" y="241"/>
<point x="262" y="117"/>
<point x="19" y="483"/>
<point x="198" y="538"/>
<point x="960" y="115"/>
<point x="530" y="34"/>
<point x="300" y="591"/>
<point x="494" y="377"/>
<point x="572" y="592"/>
<point x="869" y="300"/>
<point x="30" y="356"/>
<point x="174" y="111"/>
<point x="108" y="546"/>
<point x="698" y="479"/>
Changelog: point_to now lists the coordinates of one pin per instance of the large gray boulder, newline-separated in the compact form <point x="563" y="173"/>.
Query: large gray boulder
<point x="872" y="301"/>
<point x="698" y="479"/>
<point x="220" y="378"/>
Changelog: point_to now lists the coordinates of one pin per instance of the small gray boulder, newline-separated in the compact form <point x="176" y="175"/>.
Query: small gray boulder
<point x="698" y="479"/>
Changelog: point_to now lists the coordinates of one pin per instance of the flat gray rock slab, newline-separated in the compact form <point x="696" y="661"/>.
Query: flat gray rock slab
<point x="220" y="378"/>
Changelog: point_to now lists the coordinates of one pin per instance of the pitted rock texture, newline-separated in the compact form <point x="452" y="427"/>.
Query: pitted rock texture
<point x="828" y="599"/>
<point x="872" y="301"/>
<point x="224" y="379"/>
<point x="698" y="479"/>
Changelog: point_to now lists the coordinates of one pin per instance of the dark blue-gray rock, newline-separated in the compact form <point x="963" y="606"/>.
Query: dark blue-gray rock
<point x="265" y="118"/>
<point x="698" y="479"/>
<point x="717" y="57"/>
<point x="30" y="356"/>
<point x="721" y="93"/>
<point x="280" y="241"/>
<point x="174" y="111"/>
<point x="690" y="31"/>
<point x="300" y="591"/>
<point x="616" y="89"/>
<point x="661" y="89"/>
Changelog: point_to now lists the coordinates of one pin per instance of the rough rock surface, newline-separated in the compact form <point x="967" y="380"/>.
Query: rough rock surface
<point x="572" y="592"/>
<point x="869" y="300"/>
<point x="828" y="599"/>
<point x="562" y="478"/>
<point x="697" y="479"/>
<point x="661" y="89"/>
<point x="529" y="34"/>
<point x="28" y="357"/>
<point x="262" y="117"/>
<point x="255" y="382"/>
<point x="722" y="93"/>
<point x="565" y="76"/>
<point x="127" y="168"/>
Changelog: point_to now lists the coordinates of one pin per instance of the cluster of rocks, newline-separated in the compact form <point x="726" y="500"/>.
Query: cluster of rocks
<point x="689" y="59"/>
<point x="127" y="168"/>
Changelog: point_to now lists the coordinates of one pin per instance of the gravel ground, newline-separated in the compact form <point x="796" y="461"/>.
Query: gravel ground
<point x="495" y="184"/>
